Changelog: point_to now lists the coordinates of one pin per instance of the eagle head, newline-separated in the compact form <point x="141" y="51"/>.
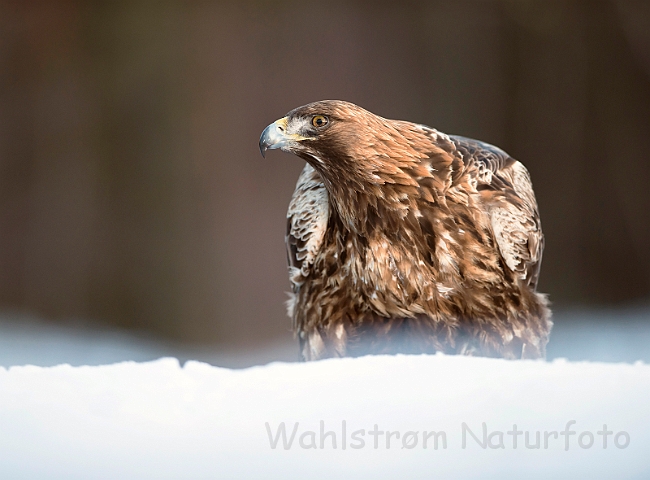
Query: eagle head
<point x="325" y="133"/>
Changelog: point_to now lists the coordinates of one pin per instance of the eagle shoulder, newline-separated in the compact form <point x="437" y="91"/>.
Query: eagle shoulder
<point x="507" y="192"/>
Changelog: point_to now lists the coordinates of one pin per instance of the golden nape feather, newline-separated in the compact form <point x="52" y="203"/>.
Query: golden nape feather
<point x="403" y="239"/>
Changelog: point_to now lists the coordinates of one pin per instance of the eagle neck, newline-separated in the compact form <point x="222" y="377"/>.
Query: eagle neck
<point x="364" y="210"/>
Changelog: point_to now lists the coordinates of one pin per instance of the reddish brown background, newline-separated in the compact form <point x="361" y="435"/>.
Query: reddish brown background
<point x="132" y="191"/>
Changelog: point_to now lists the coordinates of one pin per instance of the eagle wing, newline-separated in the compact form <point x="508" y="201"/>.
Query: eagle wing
<point x="307" y="219"/>
<point x="507" y="191"/>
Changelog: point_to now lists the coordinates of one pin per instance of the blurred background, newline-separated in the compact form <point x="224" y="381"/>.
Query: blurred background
<point x="138" y="219"/>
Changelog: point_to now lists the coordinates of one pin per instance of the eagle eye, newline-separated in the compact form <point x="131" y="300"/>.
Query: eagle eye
<point x="319" y="121"/>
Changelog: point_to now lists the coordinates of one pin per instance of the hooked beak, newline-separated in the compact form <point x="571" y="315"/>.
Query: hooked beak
<point x="274" y="136"/>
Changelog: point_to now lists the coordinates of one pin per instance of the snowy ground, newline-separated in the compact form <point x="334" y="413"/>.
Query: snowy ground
<point x="160" y="420"/>
<point x="157" y="420"/>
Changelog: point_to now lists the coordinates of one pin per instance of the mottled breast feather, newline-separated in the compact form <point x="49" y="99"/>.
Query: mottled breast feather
<point x="306" y="224"/>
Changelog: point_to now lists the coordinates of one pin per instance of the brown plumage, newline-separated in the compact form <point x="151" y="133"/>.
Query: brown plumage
<point x="403" y="239"/>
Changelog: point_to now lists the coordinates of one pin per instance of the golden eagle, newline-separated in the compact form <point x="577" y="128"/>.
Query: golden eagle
<point x="401" y="238"/>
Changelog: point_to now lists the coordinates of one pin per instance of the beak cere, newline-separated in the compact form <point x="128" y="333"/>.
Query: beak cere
<point x="274" y="136"/>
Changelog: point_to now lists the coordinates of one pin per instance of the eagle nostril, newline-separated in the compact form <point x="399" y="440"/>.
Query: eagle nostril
<point x="280" y="128"/>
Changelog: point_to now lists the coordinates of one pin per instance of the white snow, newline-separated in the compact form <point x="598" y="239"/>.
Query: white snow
<point x="160" y="420"/>
<point x="157" y="420"/>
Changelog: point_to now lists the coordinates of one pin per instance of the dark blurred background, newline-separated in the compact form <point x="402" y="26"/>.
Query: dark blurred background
<point x="133" y="196"/>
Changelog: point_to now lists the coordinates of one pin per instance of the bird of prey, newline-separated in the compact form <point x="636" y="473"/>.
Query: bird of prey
<point x="401" y="238"/>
